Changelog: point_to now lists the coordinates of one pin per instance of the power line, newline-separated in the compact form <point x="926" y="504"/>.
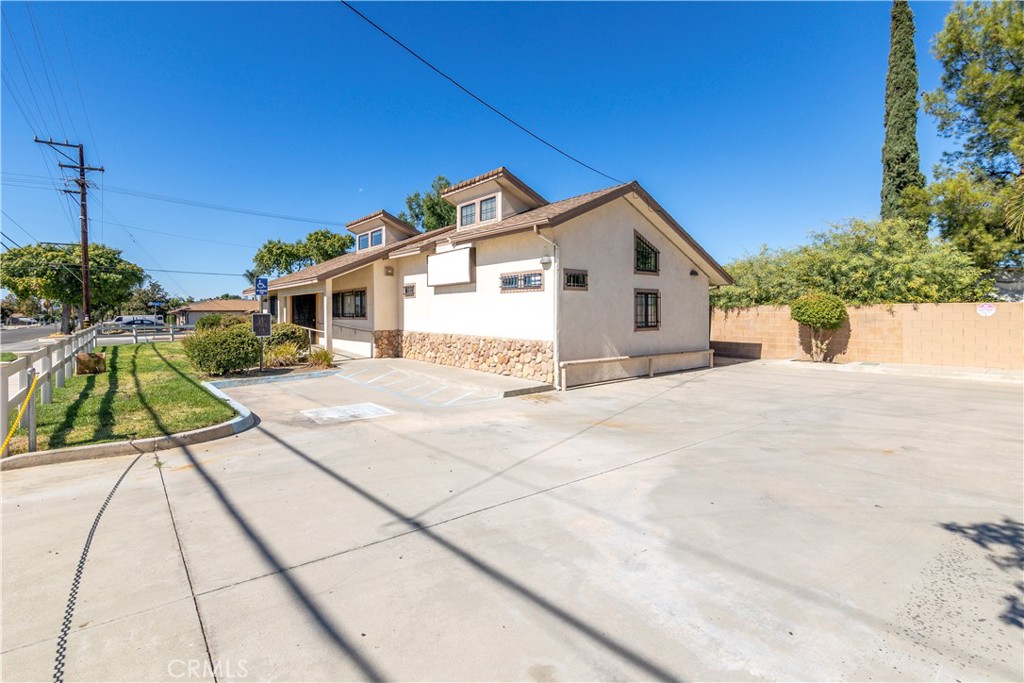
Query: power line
<point x="466" y="90"/>
<point x="46" y="73"/>
<point x="19" y="225"/>
<point x="78" y="84"/>
<point x="107" y="269"/>
<point x="26" y="181"/>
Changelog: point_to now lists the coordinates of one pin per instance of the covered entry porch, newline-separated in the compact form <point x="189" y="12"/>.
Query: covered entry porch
<point x="337" y="312"/>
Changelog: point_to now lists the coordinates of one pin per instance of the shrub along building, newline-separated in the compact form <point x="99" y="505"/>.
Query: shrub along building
<point x="518" y="286"/>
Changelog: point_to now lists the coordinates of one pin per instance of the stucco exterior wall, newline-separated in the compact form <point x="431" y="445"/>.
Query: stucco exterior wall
<point x="923" y="334"/>
<point x="480" y="308"/>
<point x="600" y="322"/>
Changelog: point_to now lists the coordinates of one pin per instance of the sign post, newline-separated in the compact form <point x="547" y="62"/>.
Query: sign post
<point x="261" y="328"/>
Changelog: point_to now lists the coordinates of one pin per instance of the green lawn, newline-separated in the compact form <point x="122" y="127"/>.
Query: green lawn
<point x="148" y="390"/>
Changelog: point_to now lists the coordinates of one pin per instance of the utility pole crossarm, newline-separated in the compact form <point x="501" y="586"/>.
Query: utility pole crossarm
<point x="82" y="168"/>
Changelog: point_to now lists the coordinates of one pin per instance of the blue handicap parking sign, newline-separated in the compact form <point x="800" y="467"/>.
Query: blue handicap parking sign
<point x="262" y="286"/>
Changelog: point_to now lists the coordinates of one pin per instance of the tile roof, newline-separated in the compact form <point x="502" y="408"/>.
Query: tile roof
<point x="346" y="262"/>
<point x="500" y="172"/>
<point x="221" y="306"/>
<point x="387" y="218"/>
<point x="548" y="215"/>
<point x="559" y="212"/>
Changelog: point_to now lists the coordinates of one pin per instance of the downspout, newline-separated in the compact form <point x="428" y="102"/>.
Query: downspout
<point x="556" y="372"/>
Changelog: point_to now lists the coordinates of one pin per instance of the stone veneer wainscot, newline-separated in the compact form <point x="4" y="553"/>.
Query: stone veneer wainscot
<point x="524" y="358"/>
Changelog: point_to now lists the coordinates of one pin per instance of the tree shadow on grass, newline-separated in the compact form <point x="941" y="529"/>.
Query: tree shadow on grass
<point x="105" y="418"/>
<point x="59" y="437"/>
<point x="1005" y="542"/>
<point x="330" y="631"/>
<point x="591" y="632"/>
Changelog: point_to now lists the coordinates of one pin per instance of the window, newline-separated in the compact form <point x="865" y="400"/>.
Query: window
<point x="349" y="304"/>
<point x="272" y="306"/>
<point x="522" y="282"/>
<point x="468" y="214"/>
<point x="648" y="309"/>
<point x="364" y="241"/>
<point x="488" y="209"/>
<point x="576" y="279"/>
<point x="409" y="291"/>
<point x="646" y="256"/>
<point x="376" y="238"/>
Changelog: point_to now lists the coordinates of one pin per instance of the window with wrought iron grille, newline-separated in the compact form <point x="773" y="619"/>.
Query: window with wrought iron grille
<point x="647" y="309"/>
<point x="576" y="279"/>
<point x="349" y="304"/>
<point x="522" y="282"/>
<point x="488" y="209"/>
<point x="645" y="256"/>
<point x="468" y="214"/>
<point x="409" y="291"/>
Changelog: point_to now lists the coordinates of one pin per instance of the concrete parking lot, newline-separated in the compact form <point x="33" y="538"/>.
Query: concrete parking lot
<point x="746" y="523"/>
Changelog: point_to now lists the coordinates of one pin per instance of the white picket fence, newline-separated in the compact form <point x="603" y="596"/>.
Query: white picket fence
<point x="54" y="361"/>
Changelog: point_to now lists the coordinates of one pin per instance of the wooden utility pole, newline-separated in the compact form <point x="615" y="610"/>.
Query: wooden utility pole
<point x="83" y="202"/>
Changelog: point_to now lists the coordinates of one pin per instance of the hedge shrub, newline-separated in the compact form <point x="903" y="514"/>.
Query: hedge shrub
<point x="288" y="333"/>
<point x="823" y="313"/>
<point x="208" y="322"/>
<point x="281" y="356"/>
<point x="223" y="349"/>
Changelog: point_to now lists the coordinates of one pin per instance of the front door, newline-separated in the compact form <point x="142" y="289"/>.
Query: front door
<point x="304" y="310"/>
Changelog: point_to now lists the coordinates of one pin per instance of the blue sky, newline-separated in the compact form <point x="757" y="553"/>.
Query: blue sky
<point x="752" y="123"/>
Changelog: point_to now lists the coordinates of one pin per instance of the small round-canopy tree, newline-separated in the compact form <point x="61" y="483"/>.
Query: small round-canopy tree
<point x="824" y="314"/>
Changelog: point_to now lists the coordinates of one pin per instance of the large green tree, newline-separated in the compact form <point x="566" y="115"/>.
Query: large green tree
<point x="145" y="294"/>
<point x="901" y="162"/>
<point x="54" y="272"/>
<point x="976" y="200"/>
<point x="429" y="211"/>
<point x="277" y="257"/>
<point x="862" y="263"/>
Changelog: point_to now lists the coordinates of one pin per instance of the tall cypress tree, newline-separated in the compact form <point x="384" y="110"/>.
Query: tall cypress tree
<point x="901" y="163"/>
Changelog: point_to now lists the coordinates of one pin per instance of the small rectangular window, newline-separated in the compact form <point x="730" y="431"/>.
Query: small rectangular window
<point x="273" y="306"/>
<point x="468" y="214"/>
<point x="488" y="209"/>
<point x="647" y="309"/>
<point x="376" y="238"/>
<point x="522" y="282"/>
<point x="576" y="279"/>
<point x="364" y="241"/>
<point x="646" y="256"/>
<point x="409" y="291"/>
<point x="353" y="304"/>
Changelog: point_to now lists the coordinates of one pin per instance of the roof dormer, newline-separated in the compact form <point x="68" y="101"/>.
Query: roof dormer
<point x="378" y="229"/>
<point x="490" y="197"/>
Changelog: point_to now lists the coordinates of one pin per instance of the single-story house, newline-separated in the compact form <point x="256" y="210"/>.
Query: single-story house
<point x="190" y="313"/>
<point x="600" y="286"/>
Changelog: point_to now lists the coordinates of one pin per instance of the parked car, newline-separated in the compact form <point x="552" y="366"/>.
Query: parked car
<point x="141" y="322"/>
<point x="131" y="320"/>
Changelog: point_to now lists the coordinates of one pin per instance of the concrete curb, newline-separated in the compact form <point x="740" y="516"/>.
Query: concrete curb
<point x="238" y="424"/>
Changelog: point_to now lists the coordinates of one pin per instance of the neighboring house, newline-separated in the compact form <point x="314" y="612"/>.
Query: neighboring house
<point x="517" y="286"/>
<point x="190" y="313"/>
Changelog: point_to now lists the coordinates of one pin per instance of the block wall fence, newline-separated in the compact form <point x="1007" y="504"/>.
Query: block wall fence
<point x="923" y="334"/>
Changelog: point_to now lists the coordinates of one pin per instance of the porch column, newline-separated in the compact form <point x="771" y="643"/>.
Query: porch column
<point x="328" y="315"/>
<point x="282" y="308"/>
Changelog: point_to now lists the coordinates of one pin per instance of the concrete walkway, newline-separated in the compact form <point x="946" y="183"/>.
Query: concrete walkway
<point x="745" y="523"/>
